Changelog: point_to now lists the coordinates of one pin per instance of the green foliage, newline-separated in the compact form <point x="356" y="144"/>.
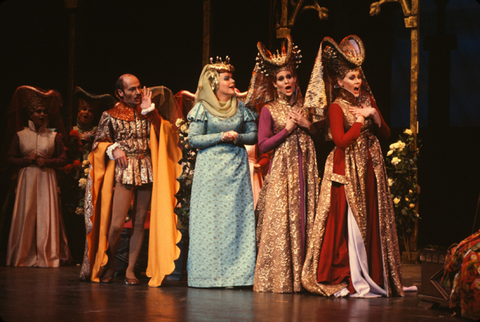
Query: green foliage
<point x="73" y="177"/>
<point x="401" y="164"/>
<point x="189" y="157"/>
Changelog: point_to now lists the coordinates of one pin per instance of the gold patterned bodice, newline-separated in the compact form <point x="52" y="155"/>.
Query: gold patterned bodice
<point x="131" y="131"/>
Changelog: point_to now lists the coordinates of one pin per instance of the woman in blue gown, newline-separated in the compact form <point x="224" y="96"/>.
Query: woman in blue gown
<point x="222" y="220"/>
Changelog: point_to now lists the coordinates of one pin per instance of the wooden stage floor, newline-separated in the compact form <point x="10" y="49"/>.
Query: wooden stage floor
<point x="56" y="294"/>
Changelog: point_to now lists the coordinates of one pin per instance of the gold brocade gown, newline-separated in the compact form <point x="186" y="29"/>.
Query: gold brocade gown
<point x="356" y="155"/>
<point x="283" y="201"/>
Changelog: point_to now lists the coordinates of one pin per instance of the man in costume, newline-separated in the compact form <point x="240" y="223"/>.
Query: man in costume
<point x="143" y="164"/>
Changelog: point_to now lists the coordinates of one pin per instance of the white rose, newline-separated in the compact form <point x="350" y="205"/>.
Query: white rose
<point x="408" y="132"/>
<point x="179" y="122"/>
<point x="82" y="183"/>
<point x="184" y="128"/>
<point x="87" y="170"/>
<point x="85" y="163"/>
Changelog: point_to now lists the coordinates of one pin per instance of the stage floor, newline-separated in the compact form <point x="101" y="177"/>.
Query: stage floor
<point x="56" y="294"/>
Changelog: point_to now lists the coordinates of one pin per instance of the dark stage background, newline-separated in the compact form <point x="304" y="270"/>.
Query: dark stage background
<point x="161" y="43"/>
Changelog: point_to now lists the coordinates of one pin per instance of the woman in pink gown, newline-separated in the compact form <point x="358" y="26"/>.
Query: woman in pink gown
<point x="37" y="234"/>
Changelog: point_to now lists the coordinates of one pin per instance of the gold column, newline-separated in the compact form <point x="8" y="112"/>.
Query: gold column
<point x="411" y="12"/>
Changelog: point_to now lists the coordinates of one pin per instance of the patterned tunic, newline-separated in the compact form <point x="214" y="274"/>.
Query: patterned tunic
<point x="287" y="203"/>
<point x="222" y="222"/>
<point x="131" y="131"/>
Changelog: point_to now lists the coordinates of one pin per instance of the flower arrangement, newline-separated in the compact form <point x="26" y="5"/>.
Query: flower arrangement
<point x="401" y="164"/>
<point x="189" y="156"/>
<point x="73" y="176"/>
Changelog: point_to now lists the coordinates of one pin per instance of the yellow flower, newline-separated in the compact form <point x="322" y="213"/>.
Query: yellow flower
<point x="406" y="199"/>
<point x="408" y="132"/>
<point x="85" y="163"/>
<point x="79" y="210"/>
<point x="396" y="200"/>
<point x="395" y="160"/>
<point x="390" y="182"/>
<point x="412" y="205"/>
<point x="389" y="153"/>
<point x="410" y="191"/>
<point x="86" y="171"/>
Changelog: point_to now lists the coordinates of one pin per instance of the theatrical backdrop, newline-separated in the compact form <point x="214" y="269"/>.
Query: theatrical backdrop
<point x="162" y="43"/>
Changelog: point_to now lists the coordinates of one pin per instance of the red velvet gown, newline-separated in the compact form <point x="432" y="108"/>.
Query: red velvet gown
<point x="354" y="192"/>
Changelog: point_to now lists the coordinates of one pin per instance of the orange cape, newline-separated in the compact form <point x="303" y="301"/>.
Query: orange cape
<point x="164" y="236"/>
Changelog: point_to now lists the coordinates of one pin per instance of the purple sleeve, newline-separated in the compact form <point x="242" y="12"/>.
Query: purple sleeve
<point x="14" y="157"/>
<point x="59" y="158"/>
<point x="267" y="142"/>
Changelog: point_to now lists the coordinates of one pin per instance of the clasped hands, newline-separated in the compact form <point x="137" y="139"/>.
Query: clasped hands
<point x="38" y="160"/>
<point x="229" y="136"/>
<point x="365" y="112"/>
<point x="297" y="119"/>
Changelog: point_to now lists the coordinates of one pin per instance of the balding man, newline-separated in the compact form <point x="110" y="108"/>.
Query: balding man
<point x="123" y="135"/>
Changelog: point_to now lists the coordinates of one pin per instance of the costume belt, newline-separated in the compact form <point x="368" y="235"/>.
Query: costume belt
<point x="138" y="156"/>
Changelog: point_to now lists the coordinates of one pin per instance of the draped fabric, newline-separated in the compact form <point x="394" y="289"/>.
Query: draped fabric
<point x="37" y="234"/>
<point x="362" y="154"/>
<point x="286" y="206"/>
<point x="462" y="273"/>
<point x="256" y="174"/>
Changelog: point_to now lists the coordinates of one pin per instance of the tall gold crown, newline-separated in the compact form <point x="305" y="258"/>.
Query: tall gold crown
<point x="271" y="64"/>
<point x="221" y="66"/>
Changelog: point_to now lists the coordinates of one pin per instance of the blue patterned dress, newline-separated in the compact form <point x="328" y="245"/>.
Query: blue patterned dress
<point x="222" y="220"/>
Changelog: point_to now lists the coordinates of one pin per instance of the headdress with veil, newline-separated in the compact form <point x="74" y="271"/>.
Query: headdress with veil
<point x="333" y="62"/>
<point x="208" y="86"/>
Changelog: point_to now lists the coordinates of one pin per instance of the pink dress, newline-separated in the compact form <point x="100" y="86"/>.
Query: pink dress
<point x="37" y="234"/>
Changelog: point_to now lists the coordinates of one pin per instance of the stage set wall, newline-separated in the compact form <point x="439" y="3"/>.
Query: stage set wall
<point x="161" y="42"/>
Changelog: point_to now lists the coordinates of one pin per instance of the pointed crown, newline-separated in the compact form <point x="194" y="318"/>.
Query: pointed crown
<point x="271" y="64"/>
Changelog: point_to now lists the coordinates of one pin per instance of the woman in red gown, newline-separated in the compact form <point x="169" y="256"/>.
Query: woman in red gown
<point x="354" y="247"/>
